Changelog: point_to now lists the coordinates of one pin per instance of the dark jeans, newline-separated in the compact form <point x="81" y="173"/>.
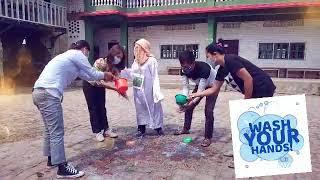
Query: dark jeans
<point x="210" y="103"/>
<point x="96" y="100"/>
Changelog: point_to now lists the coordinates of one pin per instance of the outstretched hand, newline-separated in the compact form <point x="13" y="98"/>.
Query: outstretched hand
<point x="108" y="76"/>
<point x="184" y="108"/>
<point x="194" y="95"/>
<point x="124" y="95"/>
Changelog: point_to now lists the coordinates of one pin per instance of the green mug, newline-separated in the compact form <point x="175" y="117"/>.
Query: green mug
<point x="181" y="99"/>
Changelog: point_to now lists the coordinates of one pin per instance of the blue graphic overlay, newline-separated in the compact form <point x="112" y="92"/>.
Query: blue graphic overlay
<point x="269" y="137"/>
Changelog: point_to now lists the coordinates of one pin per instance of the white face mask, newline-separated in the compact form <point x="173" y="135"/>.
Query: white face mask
<point x="86" y="53"/>
<point x="116" y="60"/>
<point x="213" y="63"/>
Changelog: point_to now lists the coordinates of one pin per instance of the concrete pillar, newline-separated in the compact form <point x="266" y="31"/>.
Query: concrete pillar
<point x="89" y="37"/>
<point x="124" y="37"/>
<point x="212" y="29"/>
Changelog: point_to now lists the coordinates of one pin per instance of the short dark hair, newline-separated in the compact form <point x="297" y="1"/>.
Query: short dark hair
<point x="187" y="57"/>
<point x="80" y="44"/>
<point x="214" y="48"/>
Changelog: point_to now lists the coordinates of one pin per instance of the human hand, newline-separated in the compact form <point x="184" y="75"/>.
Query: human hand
<point x="184" y="108"/>
<point x="108" y="76"/>
<point x="124" y="95"/>
<point x="181" y="109"/>
<point x="194" y="95"/>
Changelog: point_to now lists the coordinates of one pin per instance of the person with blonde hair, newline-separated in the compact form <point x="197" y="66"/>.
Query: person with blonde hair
<point x="146" y="88"/>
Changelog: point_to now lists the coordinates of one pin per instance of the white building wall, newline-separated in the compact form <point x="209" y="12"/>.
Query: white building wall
<point x="76" y="31"/>
<point x="75" y="6"/>
<point x="157" y="36"/>
<point x="250" y="34"/>
<point x="104" y="36"/>
<point x="76" y="28"/>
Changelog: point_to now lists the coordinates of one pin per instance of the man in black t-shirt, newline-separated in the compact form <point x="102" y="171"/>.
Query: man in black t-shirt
<point x="203" y="75"/>
<point x="239" y="73"/>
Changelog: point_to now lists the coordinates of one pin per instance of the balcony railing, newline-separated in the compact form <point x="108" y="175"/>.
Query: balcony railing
<point x="107" y="3"/>
<point x="95" y="5"/>
<point x="144" y="3"/>
<point x="154" y="3"/>
<point x="34" y="11"/>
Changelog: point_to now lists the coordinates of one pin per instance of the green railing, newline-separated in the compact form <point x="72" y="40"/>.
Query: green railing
<point x="149" y="5"/>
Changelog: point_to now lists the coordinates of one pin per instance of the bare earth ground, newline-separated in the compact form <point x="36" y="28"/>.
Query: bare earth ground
<point x="152" y="158"/>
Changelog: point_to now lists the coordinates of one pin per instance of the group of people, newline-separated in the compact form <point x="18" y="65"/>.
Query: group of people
<point x="48" y="90"/>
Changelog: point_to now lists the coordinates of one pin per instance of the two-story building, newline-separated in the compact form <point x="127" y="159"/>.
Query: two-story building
<point x="31" y="32"/>
<point x="281" y="36"/>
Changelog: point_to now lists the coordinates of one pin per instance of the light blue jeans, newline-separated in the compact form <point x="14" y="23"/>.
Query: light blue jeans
<point x="51" y="112"/>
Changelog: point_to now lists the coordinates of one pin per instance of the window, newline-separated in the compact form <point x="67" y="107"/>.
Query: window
<point x="281" y="50"/>
<point x="140" y="29"/>
<point x="231" y="25"/>
<point x="294" y="51"/>
<point x="265" y="50"/>
<point x="173" y="51"/>
<point x="290" y="23"/>
<point x="297" y="50"/>
<point x="176" y="50"/>
<point x="166" y="51"/>
<point x="194" y="48"/>
<point x="180" y="27"/>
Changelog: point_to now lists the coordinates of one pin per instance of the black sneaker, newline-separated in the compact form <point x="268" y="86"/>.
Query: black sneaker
<point x="68" y="171"/>
<point x="160" y="132"/>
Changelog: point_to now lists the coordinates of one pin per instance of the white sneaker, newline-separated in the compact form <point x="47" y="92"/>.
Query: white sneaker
<point x="110" y="133"/>
<point x="100" y="137"/>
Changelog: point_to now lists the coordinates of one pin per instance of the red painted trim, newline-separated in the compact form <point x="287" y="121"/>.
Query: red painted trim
<point x="204" y="10"/>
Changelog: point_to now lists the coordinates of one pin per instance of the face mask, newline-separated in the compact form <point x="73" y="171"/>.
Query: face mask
<point x="86" y="53"/>
<point x="211" y="62"/>
<point x="116" y="60"/>
<point x="187" y="70"/>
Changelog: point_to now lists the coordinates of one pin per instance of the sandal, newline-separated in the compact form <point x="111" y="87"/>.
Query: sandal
<point x="231" y="165"/>
<point x="180" y="132"/>
<point x="228" y="154"/>
<point x="206" y="143"/>
<point x="140" y="134"/>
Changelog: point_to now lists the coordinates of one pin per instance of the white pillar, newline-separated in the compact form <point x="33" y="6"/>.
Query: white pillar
<point x="1" y="66"/>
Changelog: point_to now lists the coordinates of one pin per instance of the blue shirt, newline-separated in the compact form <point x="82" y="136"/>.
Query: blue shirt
<point x="65" y="68"/>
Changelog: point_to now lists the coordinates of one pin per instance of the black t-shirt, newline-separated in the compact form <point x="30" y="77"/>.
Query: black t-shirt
<point x="233" y="63"/>
<point x="201" y="70"/>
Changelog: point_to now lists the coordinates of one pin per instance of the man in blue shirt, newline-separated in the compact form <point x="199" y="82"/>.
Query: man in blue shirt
<point x="48" y="94"/>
